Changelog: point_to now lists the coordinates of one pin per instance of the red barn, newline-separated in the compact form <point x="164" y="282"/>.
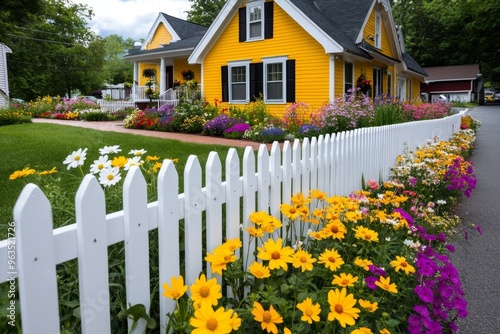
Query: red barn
<point x="457" y="83"/>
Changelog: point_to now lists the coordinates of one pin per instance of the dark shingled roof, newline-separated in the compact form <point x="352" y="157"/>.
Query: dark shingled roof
<point x="184" y="28"/>
<point x="413" y="65"/>
<point x="190" y="35"/>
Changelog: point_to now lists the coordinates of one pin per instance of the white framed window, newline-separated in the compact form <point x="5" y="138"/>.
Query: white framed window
<point x="378" y="30"/>
<point x="389" y="84"/>
<point x="255" y="21"/>
<point x="348" y="76"/>
<point x="238" y="82"/>
<point x="402" y="88"/>
<point x="377" y="81"/>
<point x="275" y="80"/>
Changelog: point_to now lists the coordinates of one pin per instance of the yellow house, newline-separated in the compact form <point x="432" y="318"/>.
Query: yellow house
<point x="303" y="50"/>
<point x="166" y="49"/>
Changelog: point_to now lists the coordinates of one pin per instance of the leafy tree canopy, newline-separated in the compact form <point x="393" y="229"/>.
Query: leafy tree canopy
<point x="452" y="32"/>
<point x="204" y="12"/>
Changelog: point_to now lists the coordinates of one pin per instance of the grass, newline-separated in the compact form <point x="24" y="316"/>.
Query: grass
<point x="43" y="146"/>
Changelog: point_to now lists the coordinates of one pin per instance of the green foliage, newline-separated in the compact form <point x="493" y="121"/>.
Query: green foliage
<point x="14" y="115"/>
<point x="388" y="114"/>
<point x="96" y="115"/>
<point x="203" y="12"/>
<point x="431" y="33"/>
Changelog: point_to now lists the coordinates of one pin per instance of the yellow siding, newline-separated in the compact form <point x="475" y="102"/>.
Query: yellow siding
<point x="142" y="66"/>
<point x="161" y="36"/>
<point x="181" y="65"/>
<point x="339" y="77"/>
<point x="370" y="31"/>
<point x="312" y="64"/>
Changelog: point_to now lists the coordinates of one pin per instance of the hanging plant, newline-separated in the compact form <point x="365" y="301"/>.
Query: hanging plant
<point x="187" y="75"/>
<point x="149" y="72"/>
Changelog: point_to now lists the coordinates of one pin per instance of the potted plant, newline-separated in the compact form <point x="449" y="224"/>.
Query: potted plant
<point x="187" y="75"/>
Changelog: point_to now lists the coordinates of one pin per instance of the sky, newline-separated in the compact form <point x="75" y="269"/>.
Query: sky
<point x="131" y="18"/>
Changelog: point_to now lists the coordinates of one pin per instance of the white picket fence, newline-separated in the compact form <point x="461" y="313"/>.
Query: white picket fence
<point x="333" y="164"/>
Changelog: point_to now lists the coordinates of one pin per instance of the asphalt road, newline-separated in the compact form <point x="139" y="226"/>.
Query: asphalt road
<point x="478" y="258"/>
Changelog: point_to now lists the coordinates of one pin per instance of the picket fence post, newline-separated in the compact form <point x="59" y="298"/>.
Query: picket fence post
<point x="36" y="268"/>
<point x="90" y="208"/>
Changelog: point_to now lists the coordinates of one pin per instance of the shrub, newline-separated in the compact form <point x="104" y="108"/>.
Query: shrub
<point x="308" y="130"/>
<point x="95" y="115"/>
<point x="273" y="134"/>
<point x="388" y="111"/>
<point x="295" y="116"/>
<point x="14" y="116"/>
<point x="217" y="125"/>
<point x="237" y="131"/>
<point x="193" y="124"/>
<point x="347" y="113"/>
<point x="422" y="111"/>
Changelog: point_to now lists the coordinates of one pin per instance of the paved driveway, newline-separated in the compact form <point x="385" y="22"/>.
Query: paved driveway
<point x="478" y="258"/>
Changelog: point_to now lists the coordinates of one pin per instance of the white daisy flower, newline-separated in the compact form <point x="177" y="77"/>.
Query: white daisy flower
<point x="137" y="152"/>
<point x="99" y="164"/>
<point x="110" y="150"/>
<point x="135" y="161"/>
<point x="75" y="159"/>
<point x="109" y="176"/>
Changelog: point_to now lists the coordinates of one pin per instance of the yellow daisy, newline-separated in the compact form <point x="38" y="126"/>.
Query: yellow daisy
<point x="331" y="259"/>
<point x="310" y="311"/>
<point x="259" y="270"/>
<point x="363" y="263"/>
<point x="267" y="318"/>
<point x="277" y="255"/>
<point x="177" y="290"/>
<point x="335" y="229"/>
<point x="342" y="307"/>
<point x="385" y="283"/>
<point x="362" y="330"/>
<point x="344" y="280"/>
<point x="303" y="260"/>
<point x="205" y="293"/>
<point x="290" y="211"/>
<point x="21" y="173"/>
<point x="401" y="264"/>
<point x="119" y="162"/>
<point x="364" y="233"/>
<point x="47" y="172"/>
<point x="206" y="320"/>
<point x="367" y="305"/>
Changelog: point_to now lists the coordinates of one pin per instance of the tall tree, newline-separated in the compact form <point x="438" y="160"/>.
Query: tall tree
<point x="204" y="12"/>
<point x="118" y="70"/>
<point x="54" y="52"/>
<point x="452" y="32"/>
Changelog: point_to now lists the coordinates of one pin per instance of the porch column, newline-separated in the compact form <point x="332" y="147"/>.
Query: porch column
<point x="136" y="80"/>
<point x="163" y="76"/>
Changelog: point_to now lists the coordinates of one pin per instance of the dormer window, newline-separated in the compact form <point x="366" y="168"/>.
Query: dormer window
<point x="378" y="30"/>
<point x="256" y="21"/>
<point x="255" y="28"/>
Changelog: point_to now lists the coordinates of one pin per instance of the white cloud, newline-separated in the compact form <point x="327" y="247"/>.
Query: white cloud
<point x="131" y="18"/>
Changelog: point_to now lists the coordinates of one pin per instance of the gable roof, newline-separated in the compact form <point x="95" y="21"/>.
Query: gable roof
<point x="185" y="36"/>
<point x="335" y="24"/>
<point x="453" y="73"/>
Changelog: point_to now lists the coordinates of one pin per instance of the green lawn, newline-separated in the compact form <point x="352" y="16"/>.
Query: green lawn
<point x="44" y="146"/>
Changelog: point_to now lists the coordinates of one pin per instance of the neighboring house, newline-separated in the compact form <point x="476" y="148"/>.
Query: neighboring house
<point x="284" y="50"/>
<point x="166" y="50"/>
<point x="303" y="50"/>
<point x="457" y="83"/>
<point x="4" y="79"/>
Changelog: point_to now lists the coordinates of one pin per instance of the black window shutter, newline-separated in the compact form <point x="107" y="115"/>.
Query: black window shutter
<point x="256" y="80"/>
<point x="225" y="83"/>
<point x="243" y="24"/>
<point x="290" y="80"/>
<point x="268" y="19"/>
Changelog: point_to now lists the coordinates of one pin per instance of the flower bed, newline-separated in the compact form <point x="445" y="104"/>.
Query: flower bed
<point x="376" y="261"/>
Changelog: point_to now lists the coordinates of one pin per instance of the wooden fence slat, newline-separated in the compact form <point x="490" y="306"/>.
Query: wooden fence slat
<point x="263" y="178"/>
<point x="34" y="253"/>
<point x="233" y="195"/>
<point x="275" y="199"/>
<point x="306" y="167"/>
<point x="215" y="196"/>
<point x="168" y="234"/>
<point x="90" y="207"/>
<point x="249" y="191"/>
<point x="136" y="242"/>
<point x="194" y="206"/>
<point x="297" y="168"/>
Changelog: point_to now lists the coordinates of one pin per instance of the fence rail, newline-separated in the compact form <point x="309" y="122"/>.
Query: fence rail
<point x="331" y="163"/>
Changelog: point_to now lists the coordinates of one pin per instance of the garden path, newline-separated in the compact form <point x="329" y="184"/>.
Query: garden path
<point x="478" y="258"/>
<point x="117" y="126"/>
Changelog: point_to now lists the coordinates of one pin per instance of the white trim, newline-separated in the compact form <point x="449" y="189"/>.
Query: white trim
<point x="160" y="19"/>
<point x="231" y="8"/>
<point x="378" y="30"/>
<point x="262" y="21"/>
<point x="245" y="64"/>
<point x="274" y="60"/>
<point x="331" y="79"/>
